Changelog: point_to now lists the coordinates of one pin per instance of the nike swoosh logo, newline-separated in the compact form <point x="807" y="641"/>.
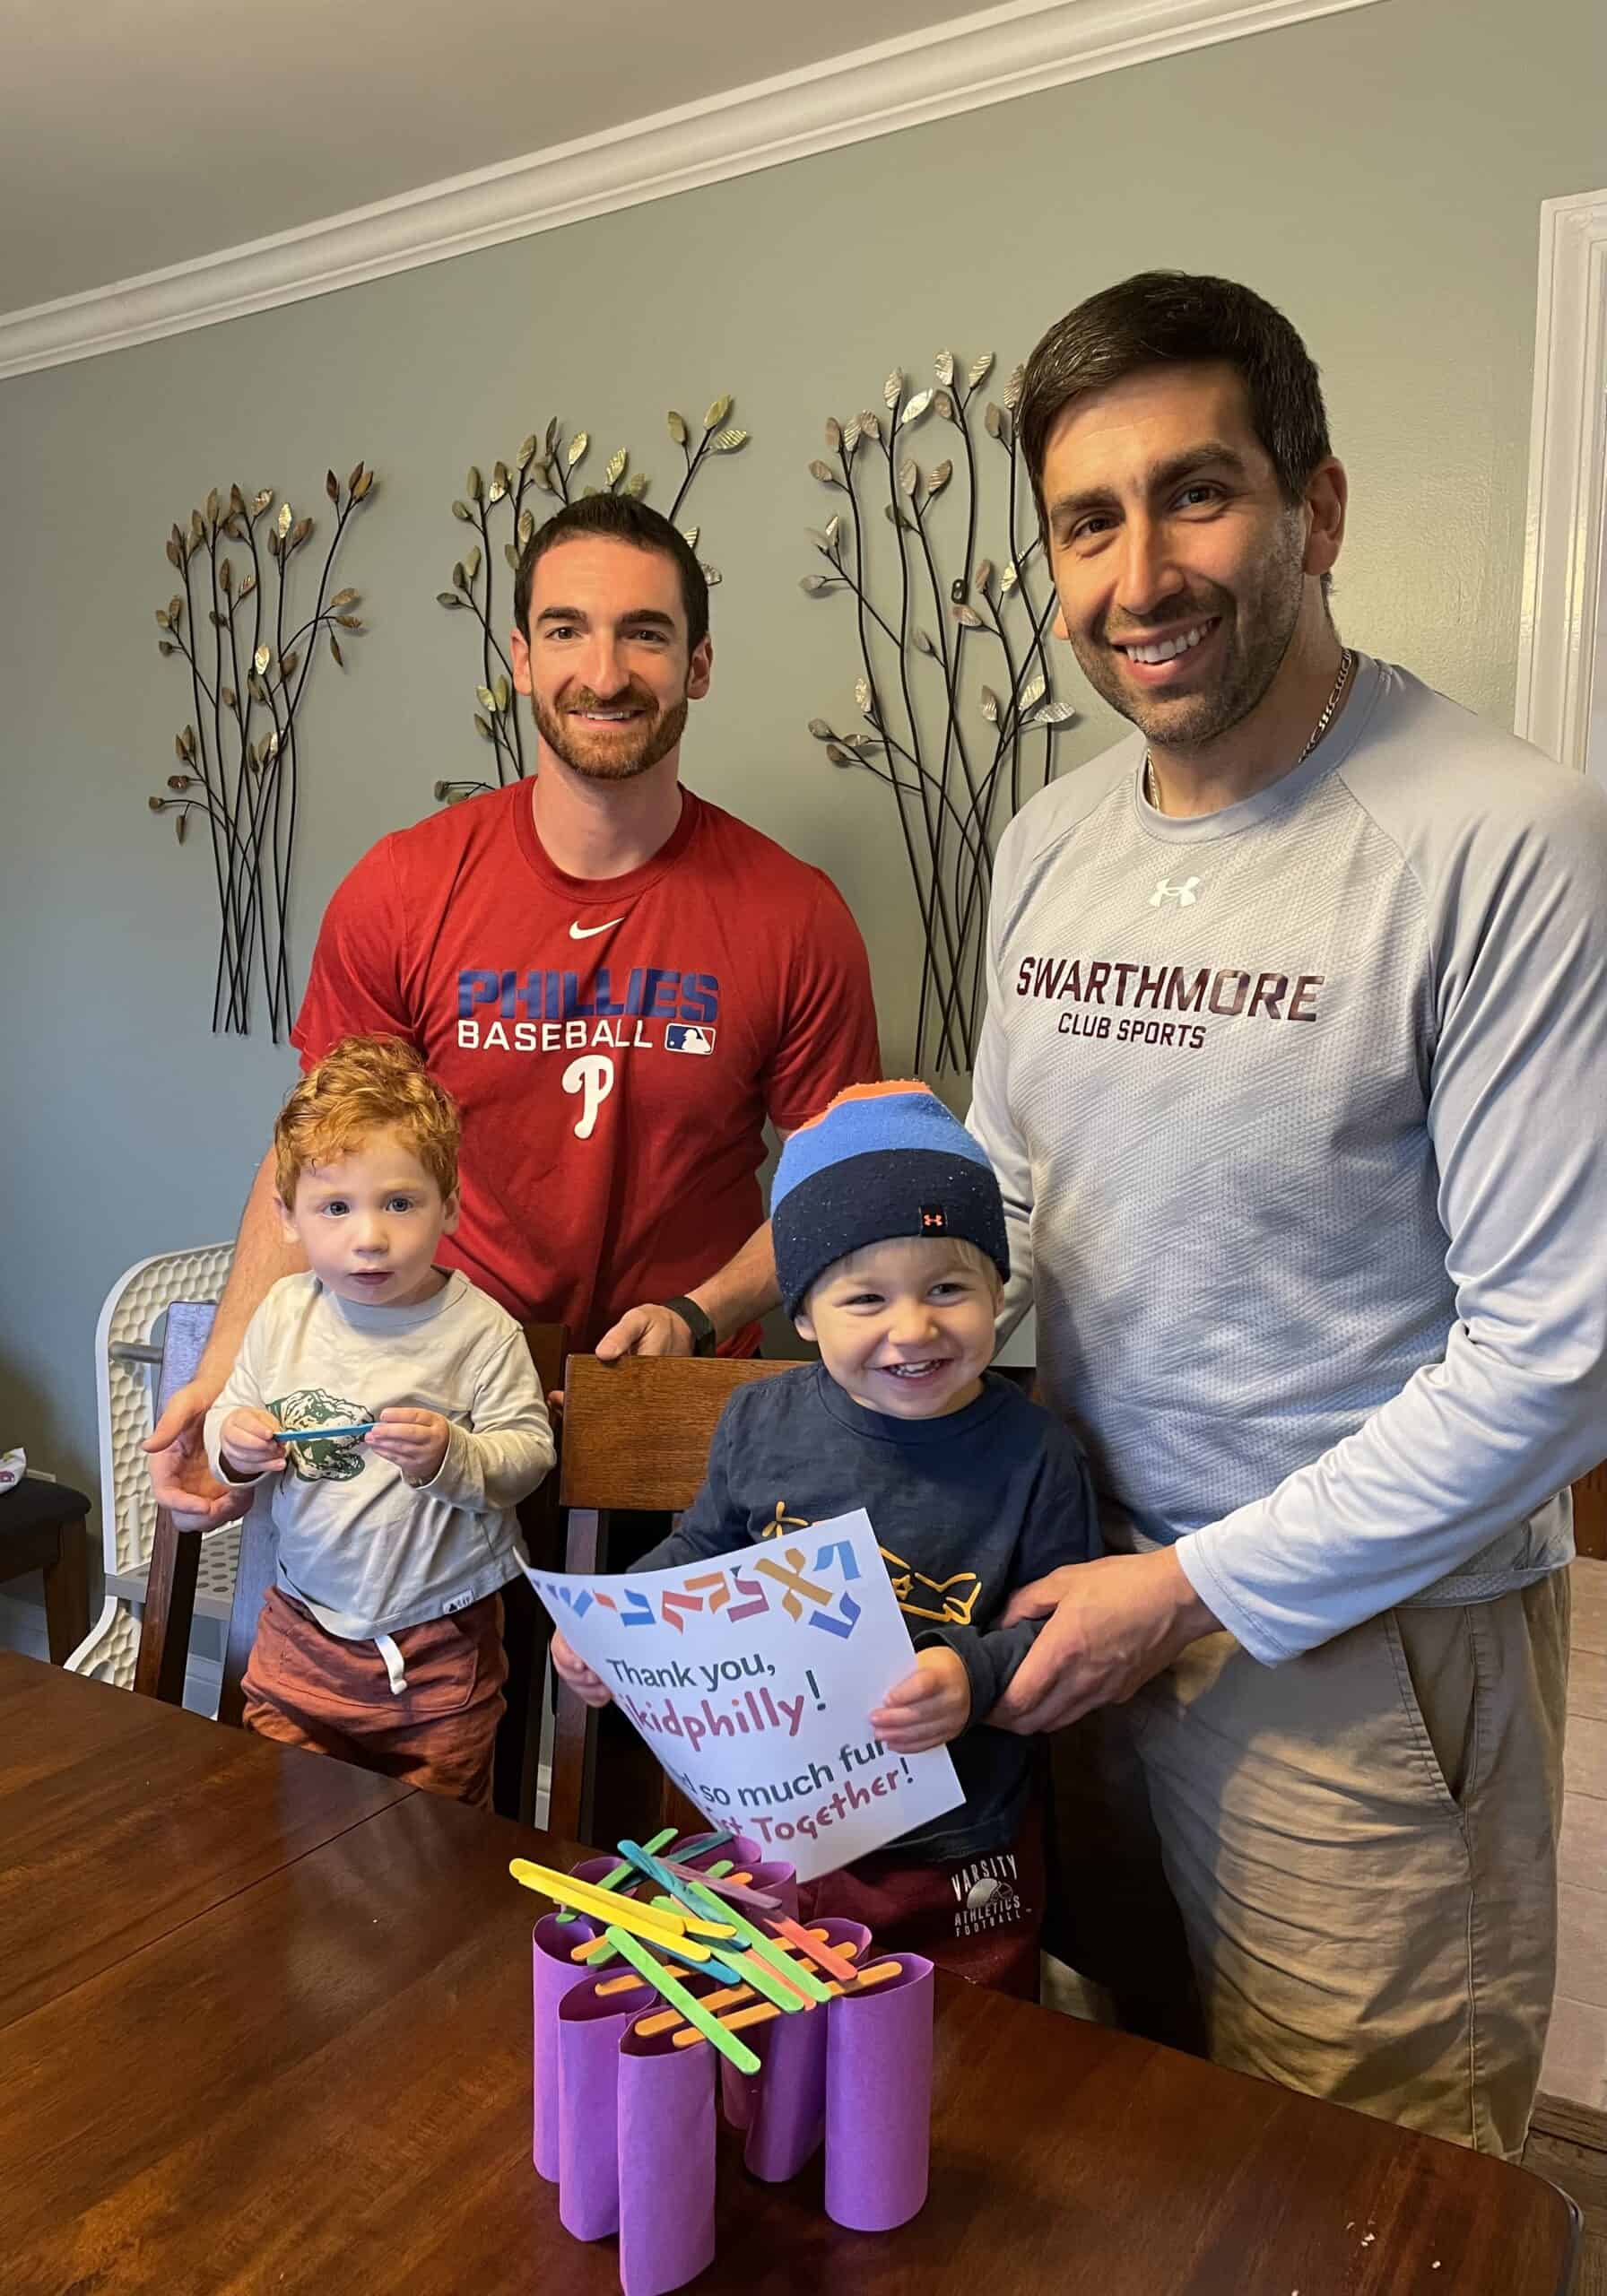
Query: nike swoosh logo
<point x="589" y="932"/>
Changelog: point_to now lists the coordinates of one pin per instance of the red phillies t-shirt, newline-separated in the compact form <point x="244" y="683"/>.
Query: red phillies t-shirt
<point x="615" y="1044"/>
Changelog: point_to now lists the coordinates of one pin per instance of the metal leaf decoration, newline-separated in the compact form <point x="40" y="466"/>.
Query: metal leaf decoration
<point x="958" y="589"/>
<point x="544" y="467"/>
<point x="248" y="658"/>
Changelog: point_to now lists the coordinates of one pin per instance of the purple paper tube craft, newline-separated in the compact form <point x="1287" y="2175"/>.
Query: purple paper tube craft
<point x="737" y="2090"/>
<point x="590" y="2029"/>
<point x="879" y="2099"/>
<point x="788" y="2100"/>
<point x="666" y="2148"/>
<point x="781" y="1882"/>
<point x="554" y="1975"/>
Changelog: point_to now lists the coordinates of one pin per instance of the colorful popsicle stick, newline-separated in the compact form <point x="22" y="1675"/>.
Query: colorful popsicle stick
<point x="318" y="1434"/>
<point x="757" y="1940"/>
<point x="590" y="1894"/>
<point x="776" y="1977"/>
<point x="699" y="1845"/>
<point x="808" y="1941"/>
<point x="691" y="2008"/>
<point x="661" y="2021"/>
<point x="761" y="1900"/>
<point x="611" y="1881"/>
<point x="607" y="1907"/>
<point x="762" y="2011"/>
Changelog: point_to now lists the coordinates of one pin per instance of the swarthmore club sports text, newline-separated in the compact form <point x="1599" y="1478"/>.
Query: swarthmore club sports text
<point x="1147" y="991"/>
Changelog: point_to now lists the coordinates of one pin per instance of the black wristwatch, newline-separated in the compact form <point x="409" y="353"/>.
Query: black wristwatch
<point x="705" y="1338"/>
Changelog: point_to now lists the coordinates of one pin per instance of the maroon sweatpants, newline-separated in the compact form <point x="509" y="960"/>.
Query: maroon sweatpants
<point x="308" y="1688"/>
<point x="979" y="1918"/>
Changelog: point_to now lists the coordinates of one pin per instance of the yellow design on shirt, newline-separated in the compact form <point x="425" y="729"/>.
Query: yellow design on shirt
<point x="956" y="1596"/>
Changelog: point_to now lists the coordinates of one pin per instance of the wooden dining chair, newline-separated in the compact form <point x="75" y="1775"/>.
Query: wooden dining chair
<point x="169" y="1612"/>
<point x="636" y="1438"/>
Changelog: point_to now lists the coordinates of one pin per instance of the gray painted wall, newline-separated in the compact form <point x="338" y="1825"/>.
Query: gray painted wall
<point x="1379" y="175"/>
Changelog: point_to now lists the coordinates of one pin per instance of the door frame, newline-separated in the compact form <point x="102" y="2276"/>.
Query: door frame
<point x="1566" y="528"/>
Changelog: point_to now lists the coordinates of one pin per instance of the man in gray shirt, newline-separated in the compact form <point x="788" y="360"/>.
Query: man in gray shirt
<point x="1294" y="1075"/>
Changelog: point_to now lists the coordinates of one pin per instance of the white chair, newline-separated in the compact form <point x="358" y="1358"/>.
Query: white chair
<point x="127" y="1353"/>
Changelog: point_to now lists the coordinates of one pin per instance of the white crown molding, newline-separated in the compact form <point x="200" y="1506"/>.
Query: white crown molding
<point x="1567" y="525"/>
<point x="1012" y="50"/>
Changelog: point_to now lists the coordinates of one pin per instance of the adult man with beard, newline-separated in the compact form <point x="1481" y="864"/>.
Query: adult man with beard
<point x="1293" y="1073"/>
<point x="617" y="981"/>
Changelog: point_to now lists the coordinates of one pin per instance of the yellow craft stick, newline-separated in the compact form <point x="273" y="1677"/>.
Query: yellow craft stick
<point x="762" y="2011"/>
<point x="604" y="1905"/>
<point x="590" y="1896"/>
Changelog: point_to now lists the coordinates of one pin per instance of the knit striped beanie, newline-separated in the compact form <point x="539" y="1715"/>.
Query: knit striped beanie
<point x="882" y="1160"/>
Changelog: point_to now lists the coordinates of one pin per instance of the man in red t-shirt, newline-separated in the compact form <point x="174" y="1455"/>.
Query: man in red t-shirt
<point x="617" y="981"/>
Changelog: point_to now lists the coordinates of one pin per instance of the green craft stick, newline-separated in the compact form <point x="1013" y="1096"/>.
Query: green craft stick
<point x="759" y="1973"/>
<point x="719" y="1870"/>
<point x="756" y="1939"/>
<point x="746" y="1968"/>
<point x="611" y="1881"/>
<point x="677" y="1995"/>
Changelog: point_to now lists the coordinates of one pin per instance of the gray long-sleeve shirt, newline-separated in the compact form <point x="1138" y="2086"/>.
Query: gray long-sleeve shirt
<point x="1300" y="1113"/>
<point x="366" y="1551"/>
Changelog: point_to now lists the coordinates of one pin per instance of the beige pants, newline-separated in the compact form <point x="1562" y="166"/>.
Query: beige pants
<point x="1361" y="1847"/>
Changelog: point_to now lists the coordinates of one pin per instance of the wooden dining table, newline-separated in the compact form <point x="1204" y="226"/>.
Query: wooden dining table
<point x="266" y="2025"/>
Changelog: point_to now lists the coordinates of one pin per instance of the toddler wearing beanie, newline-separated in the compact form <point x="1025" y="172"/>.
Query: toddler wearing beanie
<point x="891" y="1252"/>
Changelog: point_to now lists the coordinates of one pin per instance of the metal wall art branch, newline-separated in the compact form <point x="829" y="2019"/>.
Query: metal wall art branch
<point x="544" y="466"/>
<point x="955" y="680"/>
<point x="239" y="759"/>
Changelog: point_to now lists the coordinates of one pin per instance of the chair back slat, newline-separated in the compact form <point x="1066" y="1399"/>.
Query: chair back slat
<point x="636" y="1438"/>
<point x="637" y="1432"/>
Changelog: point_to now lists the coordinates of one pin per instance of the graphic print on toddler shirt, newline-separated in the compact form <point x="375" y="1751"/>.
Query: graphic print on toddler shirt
<point x="915" y="1592"/>
<point x="336" y="1459"/>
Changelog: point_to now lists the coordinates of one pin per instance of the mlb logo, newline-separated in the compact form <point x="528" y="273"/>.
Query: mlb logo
<point x="682" y="1036"/>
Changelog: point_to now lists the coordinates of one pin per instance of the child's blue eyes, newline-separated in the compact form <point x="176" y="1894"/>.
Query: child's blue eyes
<point x="942" y="1292"/>
<point x="338" y="1207"/>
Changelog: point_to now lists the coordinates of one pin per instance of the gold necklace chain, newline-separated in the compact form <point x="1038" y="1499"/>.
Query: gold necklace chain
<point x="1347" y="662"/>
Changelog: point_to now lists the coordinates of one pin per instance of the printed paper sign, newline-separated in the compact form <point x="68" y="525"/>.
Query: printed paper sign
<point x="753" y="1677"/>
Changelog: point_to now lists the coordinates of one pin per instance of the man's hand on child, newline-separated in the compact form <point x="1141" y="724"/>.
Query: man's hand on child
<point x="248" y="1442"/>
<point x="414" y="1440"/>
<point x="927" y="1707"/>
<point x="1110" y="1625"/>
<point x="589" y="1687"/>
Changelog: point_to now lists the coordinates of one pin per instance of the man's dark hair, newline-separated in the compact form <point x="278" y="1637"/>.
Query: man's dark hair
<point x="623" y="519"/>
<point x="1159" y="319"/>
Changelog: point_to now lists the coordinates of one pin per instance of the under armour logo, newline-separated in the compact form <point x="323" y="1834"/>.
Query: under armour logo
<point x="1185" y="895"/>
<point x="592" y="1076"/>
